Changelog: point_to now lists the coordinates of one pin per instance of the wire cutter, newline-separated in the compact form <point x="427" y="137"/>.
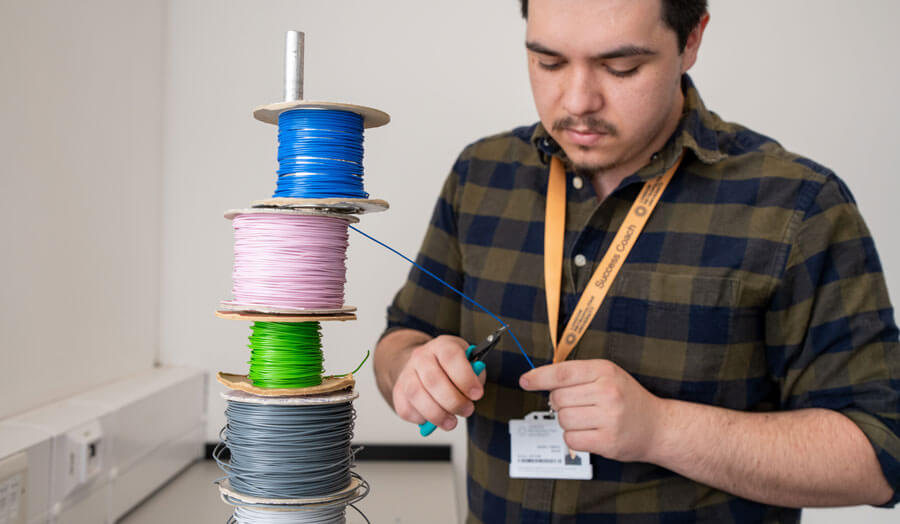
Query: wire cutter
<point x="474" y="354"/>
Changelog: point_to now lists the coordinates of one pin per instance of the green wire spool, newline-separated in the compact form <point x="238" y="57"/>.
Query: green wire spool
<point x="285" y="354"/>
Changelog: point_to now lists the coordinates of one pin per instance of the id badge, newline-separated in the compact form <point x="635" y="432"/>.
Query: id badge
<point x="538" y="451"/>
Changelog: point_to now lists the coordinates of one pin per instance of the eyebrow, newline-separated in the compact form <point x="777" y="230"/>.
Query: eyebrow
<point x="619" y="52"/>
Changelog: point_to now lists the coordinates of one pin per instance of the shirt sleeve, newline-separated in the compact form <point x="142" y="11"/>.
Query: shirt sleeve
<point x="830" y="331"/>
<point x="423" y="303"/>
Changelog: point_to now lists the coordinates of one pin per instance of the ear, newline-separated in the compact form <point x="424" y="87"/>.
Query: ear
<point x="692" y="46"/>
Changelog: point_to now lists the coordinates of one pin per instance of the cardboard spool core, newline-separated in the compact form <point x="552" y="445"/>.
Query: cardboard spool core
<point x="335" y="205"/>
<point x="231" y="213"/>
<point x="346" y="494"/>
<point x="236" y="307"/>
<point x="371" y="117"/>
<point x="334" y="397"/>
<point x="243" y="383"/>
<point x="282" y="317"/>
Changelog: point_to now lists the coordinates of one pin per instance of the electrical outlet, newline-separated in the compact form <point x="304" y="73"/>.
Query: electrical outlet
<point x="13" y="477"/>
<point x="83" y="455"/>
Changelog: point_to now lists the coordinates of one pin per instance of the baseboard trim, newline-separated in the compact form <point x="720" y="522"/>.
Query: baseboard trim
<point x="383" y="452"/>
<point x="210" y="447"/>
<point x="404" y="452"/>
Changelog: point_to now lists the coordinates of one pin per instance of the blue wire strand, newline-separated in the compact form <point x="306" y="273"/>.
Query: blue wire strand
<point x="320" y="154"/>
<point x="458" y="292"/>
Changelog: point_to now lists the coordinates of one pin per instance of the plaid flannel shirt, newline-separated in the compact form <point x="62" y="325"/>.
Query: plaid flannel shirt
<point x="755" y="286"/>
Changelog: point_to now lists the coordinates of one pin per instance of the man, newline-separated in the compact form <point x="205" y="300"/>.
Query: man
<point x="745" y="362"/>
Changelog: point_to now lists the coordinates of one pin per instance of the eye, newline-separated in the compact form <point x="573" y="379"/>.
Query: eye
<point x="552" y="66"/>
<point x="622" y="74"/>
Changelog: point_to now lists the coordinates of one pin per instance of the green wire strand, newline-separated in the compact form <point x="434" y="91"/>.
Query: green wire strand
<point x="360" y="364"/>
<point x="286" y="354"/>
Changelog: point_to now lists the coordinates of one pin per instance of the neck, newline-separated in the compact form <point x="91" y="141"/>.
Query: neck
<point x="606" y="181"/>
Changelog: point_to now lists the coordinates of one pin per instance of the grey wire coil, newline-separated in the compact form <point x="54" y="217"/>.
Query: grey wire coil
<point x="327" y="515"/>
<point x="287" y="451"/>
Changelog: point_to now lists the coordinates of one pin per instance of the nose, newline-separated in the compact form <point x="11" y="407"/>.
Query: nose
<point x="582" y="93"/>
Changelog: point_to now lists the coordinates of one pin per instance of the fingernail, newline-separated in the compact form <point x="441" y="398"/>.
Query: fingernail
<point x="469" y="410"/>
<point x="449" y="424"/>
<point x="523" y="382"/>
<point x="475" y="393"/>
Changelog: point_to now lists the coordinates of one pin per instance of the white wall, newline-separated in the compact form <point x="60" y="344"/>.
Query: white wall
<point x="818" y="75"/>
<point x="80" y="99"/>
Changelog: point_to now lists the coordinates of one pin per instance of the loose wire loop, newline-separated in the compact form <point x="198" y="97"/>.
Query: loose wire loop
<point x="332" y="515"/>
<point x="320" y="154"/>
<point x="285" y="354"/>
<point x="346" y="499"/>
<point x="287" y="452"/>
<point x="314" y="513"/>
<point x="289" y="261"/>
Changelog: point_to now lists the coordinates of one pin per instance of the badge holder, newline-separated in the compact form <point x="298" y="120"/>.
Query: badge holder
<point x="538" y="451"/>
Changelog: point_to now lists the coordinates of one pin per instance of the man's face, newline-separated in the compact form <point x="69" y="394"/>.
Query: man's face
<point x="605" y="75"/>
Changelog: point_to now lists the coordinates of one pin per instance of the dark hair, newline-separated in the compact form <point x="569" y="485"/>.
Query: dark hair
<point x="681" y="15"/>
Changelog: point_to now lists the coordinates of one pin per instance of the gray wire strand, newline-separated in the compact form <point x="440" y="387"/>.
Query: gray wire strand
<point x="325" y="515"/>
<point x="282" y="451"/>
<point x="348" y="499"/>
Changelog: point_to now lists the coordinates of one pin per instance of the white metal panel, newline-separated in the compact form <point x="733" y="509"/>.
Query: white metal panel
<point x="147" y="423"/>
<point x="153" y="470"/>
<point x="57" y="418"/>
<point x="137" y="386"/>
<point x="151" y="424"/>
<point x="36" y="444"/>
<point x="89" y="507"/>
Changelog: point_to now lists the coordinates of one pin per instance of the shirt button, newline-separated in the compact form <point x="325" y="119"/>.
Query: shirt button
<point x="580" y="261"/>
<point x="577" y="182"/>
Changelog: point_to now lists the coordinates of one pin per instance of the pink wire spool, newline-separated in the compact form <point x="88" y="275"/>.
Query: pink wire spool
<point x="289" y="261"/>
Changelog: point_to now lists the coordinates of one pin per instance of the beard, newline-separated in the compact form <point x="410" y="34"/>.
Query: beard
<point x="590" y="170"/>
<point x="593" y="125"/>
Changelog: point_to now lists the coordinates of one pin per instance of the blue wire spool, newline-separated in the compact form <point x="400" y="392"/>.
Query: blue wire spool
<point x="320" y="154"/>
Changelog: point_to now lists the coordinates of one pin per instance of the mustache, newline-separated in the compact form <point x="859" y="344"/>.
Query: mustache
<point x="589" y="123"/>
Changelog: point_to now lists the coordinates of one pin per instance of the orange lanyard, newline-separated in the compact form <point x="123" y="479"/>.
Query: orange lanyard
<point x="612" y="262"/>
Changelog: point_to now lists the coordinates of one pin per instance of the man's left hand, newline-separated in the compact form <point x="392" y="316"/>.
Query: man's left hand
<point x="601" y="408"/>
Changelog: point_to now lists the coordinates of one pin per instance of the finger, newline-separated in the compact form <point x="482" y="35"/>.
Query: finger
<point x="573" y="396"/>
<point x="577" y="419"/>
<point x="563" y="374"/>
<point x="442" y="390"/>
<point x="404" y="409"/>
<point x="579" y="440"/>
<point x="458" y="368"/>
<point x="428" y="407"/>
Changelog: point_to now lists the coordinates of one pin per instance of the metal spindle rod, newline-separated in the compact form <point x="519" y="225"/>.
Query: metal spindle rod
<point x="293" y="66"/>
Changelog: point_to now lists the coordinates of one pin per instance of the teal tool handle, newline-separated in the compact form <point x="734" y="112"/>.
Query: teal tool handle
<point x="427" y="428"/>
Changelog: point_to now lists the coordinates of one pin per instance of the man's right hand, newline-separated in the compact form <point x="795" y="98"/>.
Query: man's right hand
<point x="434" y="379"/>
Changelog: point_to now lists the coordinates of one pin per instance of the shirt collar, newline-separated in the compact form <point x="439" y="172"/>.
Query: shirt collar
<point x="696" y="132"/>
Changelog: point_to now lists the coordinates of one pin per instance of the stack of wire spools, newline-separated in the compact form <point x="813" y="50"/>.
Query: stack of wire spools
<point x="286" y="447"/>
